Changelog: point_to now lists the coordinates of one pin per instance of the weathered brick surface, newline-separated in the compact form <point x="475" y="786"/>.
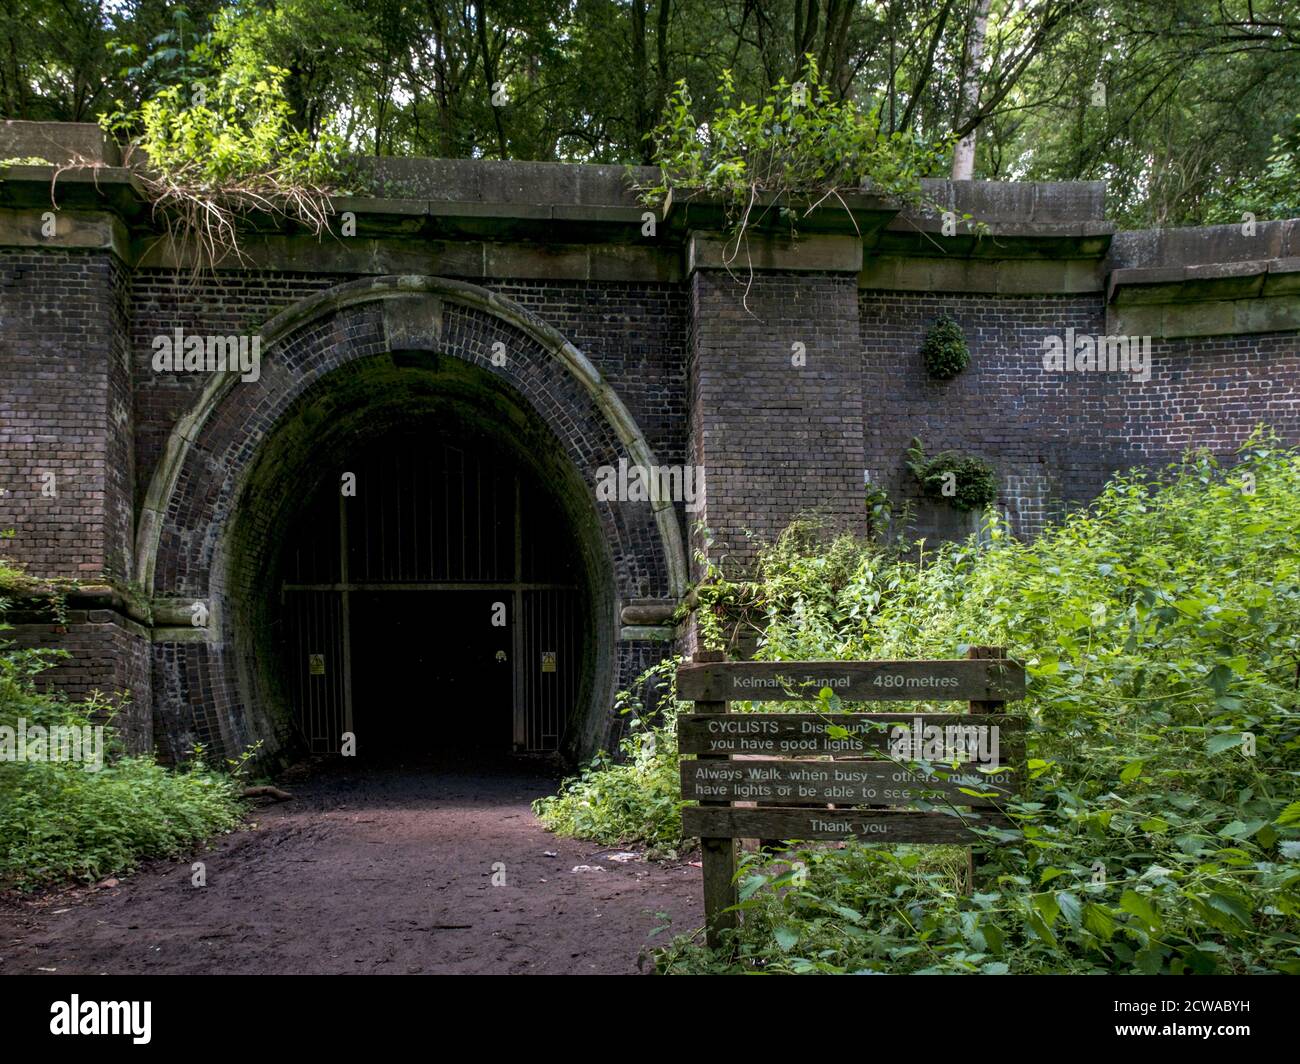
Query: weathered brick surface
<point x="1055" y="437"/>
<point x="776" y="438"/>
<point x="635" y="334"/>
<point x="109" y="654"/>
<point x="704" y="368"/>
<point x="65" y="413"/>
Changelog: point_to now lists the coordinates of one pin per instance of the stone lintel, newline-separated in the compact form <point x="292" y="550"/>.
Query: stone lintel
<point x="1221" y="317"/>
<point x="810" y="253"/>
<point x="1001" y="277"/>
<point x="89" y="230"/>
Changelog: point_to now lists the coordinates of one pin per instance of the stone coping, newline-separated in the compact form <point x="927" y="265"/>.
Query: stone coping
<point x="484" y="218"/>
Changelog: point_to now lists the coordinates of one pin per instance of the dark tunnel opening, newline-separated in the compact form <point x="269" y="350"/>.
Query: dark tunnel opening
<point x="417" y="572"/>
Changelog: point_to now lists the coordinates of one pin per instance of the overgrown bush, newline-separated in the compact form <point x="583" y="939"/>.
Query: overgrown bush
<point x="59" y="820"/>
<point x="802" y="147"/>
<point x="965" y="481"/>
<point x="1160" y="630"/>
<point x="1160" y="831"/>
<point x="635" y="800"/>
<point x="216" y="145"/>
<point x="944" y="349"/>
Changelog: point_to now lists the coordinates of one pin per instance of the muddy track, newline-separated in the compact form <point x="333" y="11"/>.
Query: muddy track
<point x="383" y="870"/>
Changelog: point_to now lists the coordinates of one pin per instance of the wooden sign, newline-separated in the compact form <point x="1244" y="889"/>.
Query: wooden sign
<point x="989" y="679"/>
<point x="967" y="764"/>
<point x="841" y="782"/>
<point x="729" y="822"/>
<point x="810" y="734"/>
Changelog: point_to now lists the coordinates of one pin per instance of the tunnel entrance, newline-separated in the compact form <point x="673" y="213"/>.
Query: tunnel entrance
<point x="432" y="602"/>
<point x="423" y="381"/>
<point x="417" y="564"/>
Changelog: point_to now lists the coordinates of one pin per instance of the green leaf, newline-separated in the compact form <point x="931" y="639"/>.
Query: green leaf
<point x="1239" y="829"/>
<point x="1050" y="873"/>
<point x="1071" y="908"/>
<point x="1140" y="906"/>
<point x="1131" y="771"/>
<point x="1047" y="908"/>
<point x="786" y="938"/>
<point x="1290" y="815"/>
<point x="1041" y="930"/>
<point x="1230" y="906"/>
<point x="1098" y="920"/>
<point x="1220" y="743"/>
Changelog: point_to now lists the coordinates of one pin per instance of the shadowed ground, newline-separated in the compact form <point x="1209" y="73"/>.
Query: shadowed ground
<point x="386" y="869"/>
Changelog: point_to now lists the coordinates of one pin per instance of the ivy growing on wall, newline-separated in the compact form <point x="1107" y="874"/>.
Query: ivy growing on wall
<point x="944" y="350"/>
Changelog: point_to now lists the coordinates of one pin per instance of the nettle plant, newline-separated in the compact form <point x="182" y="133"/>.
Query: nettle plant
<point x="964" y="480"/>
<point x="777" y="161"/>
<point x="945" y="350"/>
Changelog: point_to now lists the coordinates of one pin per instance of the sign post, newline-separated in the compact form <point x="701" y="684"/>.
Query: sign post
<point x="717" y="854"/>
<point x="843" y="775"/>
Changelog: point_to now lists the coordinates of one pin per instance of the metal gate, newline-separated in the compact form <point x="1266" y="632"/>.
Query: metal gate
<point x="427" y="518"/>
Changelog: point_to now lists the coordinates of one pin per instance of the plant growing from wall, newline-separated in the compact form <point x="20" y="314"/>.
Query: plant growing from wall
<point x="802" y="146"/>
<point x="944" y="349"/>
<point x="964" y="480"/>
<point x="217" y="144"/>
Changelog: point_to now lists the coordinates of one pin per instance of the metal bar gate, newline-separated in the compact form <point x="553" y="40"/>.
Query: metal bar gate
<point x="433" y="520"/>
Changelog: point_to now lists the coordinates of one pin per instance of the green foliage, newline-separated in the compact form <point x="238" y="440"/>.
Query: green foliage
<point x="1160" y="631"/>
<point x="637" y="799"/>
<point x="944" y="349"/>
<point x="965" y="481"/>
<point x="1160" y="831"/>
<point x="220" y="144"/>
<point x="1271" y="192"/>
<point x="1174" y="104"/>
<point x="60" y="820"/>
<point x="803" y="146"/>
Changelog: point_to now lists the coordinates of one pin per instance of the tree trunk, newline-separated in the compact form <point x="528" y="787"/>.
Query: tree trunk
<point x="963" y="159"/>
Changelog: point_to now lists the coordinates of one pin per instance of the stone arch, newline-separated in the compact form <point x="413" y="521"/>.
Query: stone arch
<point x="182" y="547"/>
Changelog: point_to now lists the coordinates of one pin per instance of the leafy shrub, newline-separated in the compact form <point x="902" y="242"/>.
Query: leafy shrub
<point x="218" y="143"/>
<point x="944" y="349"/>
<point x="802" y="147"/>
<point x="59" y="820"/>
<point x="965" y="481"/>
<point x="637" y="800"/>
<point x="1160" y="629"/>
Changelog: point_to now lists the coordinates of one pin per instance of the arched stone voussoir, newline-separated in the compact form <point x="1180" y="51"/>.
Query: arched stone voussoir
<point x="214" y="443"/>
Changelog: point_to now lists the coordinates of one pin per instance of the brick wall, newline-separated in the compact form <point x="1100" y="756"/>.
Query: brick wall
<point x="64" y="410"/>
<point x="1055" y="437"/>
<point x="635" y="334"/>
<point x="705" y="369"/>
<point x="109" y="654"/>
<point x="776" y="438"/>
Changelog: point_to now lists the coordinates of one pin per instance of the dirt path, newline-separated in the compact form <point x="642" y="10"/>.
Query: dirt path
<point x="381" y="870"/>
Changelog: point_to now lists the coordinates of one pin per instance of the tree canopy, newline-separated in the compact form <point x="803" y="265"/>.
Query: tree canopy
<point x="1186" y="107"/>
